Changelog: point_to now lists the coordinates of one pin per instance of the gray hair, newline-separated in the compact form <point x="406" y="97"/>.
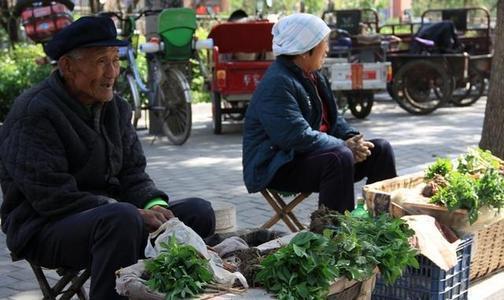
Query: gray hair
<point x="73" y="54"/>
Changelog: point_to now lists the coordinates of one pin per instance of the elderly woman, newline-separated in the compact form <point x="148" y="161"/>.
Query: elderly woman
<point x="294" y="140"/>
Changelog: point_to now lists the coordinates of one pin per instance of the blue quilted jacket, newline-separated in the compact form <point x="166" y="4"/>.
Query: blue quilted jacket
<point x="282" y="120"/>
<point x="58" y="158"/>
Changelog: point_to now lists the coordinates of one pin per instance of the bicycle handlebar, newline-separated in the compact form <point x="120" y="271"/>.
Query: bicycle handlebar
<point x="134" y="16"/>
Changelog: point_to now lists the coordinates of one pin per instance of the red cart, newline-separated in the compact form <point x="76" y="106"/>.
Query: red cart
<point x="240" y="57"/>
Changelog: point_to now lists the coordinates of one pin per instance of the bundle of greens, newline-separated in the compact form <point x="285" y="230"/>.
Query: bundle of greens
<point x="178" y="271"/>
<point x="352" y="247"/>
<point x="382" y="241"/>
<point x="477" y="181"/>
<point x="301" y="270"/>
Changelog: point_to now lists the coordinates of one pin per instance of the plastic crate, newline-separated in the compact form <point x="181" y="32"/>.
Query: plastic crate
<point x="429" y="281"/>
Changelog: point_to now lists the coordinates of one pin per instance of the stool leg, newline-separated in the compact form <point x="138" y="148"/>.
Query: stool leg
<point x="292" y="204"/>
<point x="279" y="206"/>
<point x="43" y="284"/>
<point x="278" y="211"/>
<point x="63" y="282"/>
<point x="76" y="288"/>
<point x="288" y="216"/>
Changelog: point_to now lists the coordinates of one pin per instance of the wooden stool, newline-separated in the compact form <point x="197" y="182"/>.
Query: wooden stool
<point x="76" y="279"/>
<point x="283" y="211"/>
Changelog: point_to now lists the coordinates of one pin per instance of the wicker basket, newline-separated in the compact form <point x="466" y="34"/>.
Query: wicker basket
<point x="488" y="243"/>
<point x="488" y="256"/>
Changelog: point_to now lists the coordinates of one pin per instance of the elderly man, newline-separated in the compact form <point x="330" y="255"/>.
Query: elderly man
<point x="72" y="168"/>
<point x="294" y="140"/>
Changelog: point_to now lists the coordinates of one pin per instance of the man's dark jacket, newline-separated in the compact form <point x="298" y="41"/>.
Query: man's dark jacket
<point x="58" y="158"/>
<point x="283" y="120"/>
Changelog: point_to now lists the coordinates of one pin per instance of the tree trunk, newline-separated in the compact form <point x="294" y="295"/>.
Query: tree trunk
<point x="8" y="22"/>
<point x="492" y="136"/>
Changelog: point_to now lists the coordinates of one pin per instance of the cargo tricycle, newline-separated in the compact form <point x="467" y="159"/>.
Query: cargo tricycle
<point x="239" y="59"/>
<point x="356" y="66"/>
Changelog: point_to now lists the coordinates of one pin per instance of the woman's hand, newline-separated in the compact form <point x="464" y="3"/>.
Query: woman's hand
<point x="360" y="148"/>
<point x="155" y="217"/>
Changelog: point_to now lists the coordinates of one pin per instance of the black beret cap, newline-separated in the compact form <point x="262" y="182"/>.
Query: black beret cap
<point x="84" y="33"/>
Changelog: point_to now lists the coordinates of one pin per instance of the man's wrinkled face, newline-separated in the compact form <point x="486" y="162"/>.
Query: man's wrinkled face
<point x="91" y="74"/>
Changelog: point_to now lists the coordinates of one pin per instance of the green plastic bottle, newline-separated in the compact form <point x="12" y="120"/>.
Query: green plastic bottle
<point x="360" y="211"/>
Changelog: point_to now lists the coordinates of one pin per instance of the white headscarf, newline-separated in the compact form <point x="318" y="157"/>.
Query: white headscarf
<point x="298" y="33"/>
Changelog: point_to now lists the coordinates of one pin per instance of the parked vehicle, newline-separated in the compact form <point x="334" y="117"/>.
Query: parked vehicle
<point x="473" y="31"/>
<point x="167" y="88"/>
<point x="446" y="60"/>
<point x="239" y="59"/>
<point x="42" y="19"/>
<point x="357" y="66"/>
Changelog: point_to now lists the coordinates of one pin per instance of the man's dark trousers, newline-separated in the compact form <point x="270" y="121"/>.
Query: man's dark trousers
<point x="107" y="238"/>
<point x="332" y="174"/>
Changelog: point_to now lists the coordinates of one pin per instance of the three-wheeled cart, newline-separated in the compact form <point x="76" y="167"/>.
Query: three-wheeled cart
<point x="474" y="33"/>
<point x="239" y="59"/>
<point x="431" y="77"/>
<point x="356" y="66"/>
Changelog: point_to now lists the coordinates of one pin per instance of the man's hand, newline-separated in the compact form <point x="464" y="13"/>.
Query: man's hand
<point x="155" y="217"/>
<point x="360" y="148"/>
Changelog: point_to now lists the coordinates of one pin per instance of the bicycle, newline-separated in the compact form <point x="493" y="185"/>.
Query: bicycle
<point x="129" y="83"/>
<point x="167" y="88"/>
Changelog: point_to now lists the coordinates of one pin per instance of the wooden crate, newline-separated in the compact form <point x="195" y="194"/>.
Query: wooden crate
<point x="344" y="289"/>
<point x="488" y="243"/>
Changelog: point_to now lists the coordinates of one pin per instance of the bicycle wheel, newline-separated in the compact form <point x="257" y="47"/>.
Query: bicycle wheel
<point x="421" y="86"/>
<point x="471" y="92"/>
<point x="126" y="87"/>
<point x="174" y="96"/>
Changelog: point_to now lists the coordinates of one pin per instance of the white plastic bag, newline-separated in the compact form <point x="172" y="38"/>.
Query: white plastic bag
<point x="183" y="234"/>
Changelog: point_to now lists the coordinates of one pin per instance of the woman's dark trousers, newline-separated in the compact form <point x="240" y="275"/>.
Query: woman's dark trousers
<point x="332" y="174"/>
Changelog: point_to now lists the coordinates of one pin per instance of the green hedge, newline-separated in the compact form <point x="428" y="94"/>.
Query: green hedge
<point x="198" y="91"/>
<point x="19" y="72"/>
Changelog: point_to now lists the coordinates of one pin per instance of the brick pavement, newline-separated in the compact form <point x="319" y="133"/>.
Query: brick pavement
<point x="209" y="166"/>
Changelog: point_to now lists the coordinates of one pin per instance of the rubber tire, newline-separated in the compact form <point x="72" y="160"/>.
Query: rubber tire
<point x="404" y="96"/>
<point x="126" y="88"/>
<point x="390" y="90"/>
<point x="217" y="112"/>
<point x="473" y="91"/>
<point x="174" y="95"/>
<point x="360" y="103"/>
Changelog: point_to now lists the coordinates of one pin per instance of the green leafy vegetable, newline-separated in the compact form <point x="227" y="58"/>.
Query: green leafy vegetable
<point x="478" y="181"/>
<point x="178" y="271"/>
<point x="301" y="270"/>
<point x="352" y="247"/>
<point x="442" y="166"/>
<point x="490" y="189"/>
<point x="384" y="242"/>
<point x="460" y="193"/>
<point x="476" y="160"/>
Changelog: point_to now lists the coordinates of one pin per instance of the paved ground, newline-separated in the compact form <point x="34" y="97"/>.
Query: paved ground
<point x="209" y="166"/>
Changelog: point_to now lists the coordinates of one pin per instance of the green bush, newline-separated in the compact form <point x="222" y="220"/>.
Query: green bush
<point x="198" y="90"/>
<point x="19" y="72"/>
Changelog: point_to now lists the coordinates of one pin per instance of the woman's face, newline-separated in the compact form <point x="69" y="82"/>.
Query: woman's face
<point x="315" y="60"/>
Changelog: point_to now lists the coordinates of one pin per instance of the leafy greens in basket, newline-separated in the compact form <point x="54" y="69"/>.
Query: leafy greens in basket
<point x="477" y="181"/>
